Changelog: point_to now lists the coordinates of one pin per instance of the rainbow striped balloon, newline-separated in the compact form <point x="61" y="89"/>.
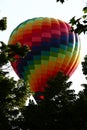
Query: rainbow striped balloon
<point x="54" y="47"/>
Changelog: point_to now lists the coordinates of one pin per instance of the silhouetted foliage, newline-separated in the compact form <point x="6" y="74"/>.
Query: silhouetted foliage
<point x="3" y="23"/>
<point x="53" y="112"/>
<point x="79" y="25"/>
<point x="84" y="66"/>
<point x="11" y="52"/>
<point x="62" y="1"/>
<point x="13" y="94"/>
<point x="81" y="102"/>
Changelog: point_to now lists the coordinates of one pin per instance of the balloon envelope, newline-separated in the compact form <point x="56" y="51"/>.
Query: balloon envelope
<point x="54" y="47"/>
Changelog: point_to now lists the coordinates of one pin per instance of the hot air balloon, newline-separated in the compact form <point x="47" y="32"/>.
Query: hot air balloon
<point x="54" y="48"/>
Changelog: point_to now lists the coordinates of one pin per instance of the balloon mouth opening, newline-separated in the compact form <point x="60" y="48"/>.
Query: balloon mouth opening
<point x="39" y="96"/>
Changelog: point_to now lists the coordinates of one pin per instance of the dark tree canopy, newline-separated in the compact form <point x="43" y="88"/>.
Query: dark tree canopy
<point x="3" y="24"/>
<point x="13" y="94"/>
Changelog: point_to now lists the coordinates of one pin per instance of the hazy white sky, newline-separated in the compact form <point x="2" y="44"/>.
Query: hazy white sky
<point x="18" y="11"/>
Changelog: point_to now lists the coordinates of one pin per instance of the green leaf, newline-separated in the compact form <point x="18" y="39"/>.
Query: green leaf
<point x="85" y="9"/>
<point x="84" y="16"/>
<point x="72" y="21"/>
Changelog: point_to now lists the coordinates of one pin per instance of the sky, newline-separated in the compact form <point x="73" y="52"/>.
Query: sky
<point x="18" y="11"/>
